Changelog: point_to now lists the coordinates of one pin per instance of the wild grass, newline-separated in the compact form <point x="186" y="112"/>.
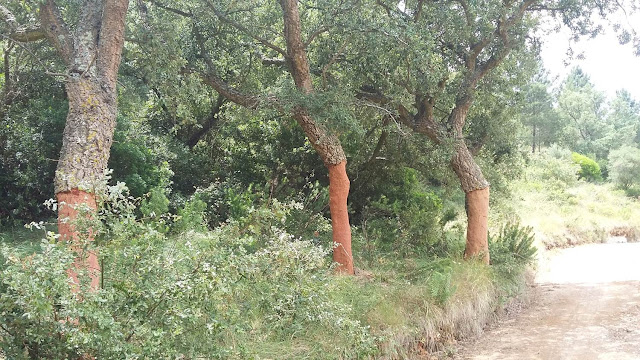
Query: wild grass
<point x="582" y="213"/>
<point x="565" y="211"/>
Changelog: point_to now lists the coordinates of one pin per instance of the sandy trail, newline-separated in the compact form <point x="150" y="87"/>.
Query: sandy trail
<point x="587" y="307"/>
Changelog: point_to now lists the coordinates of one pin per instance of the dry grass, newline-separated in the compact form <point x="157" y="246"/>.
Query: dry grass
<point x="584" y="213"/>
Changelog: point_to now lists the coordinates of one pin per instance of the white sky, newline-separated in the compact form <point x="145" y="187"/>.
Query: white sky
<point x="610" y="66"/>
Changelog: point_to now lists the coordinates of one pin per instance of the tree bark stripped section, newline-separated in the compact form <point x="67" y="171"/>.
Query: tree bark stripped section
<point x="91" y="53"/>
<point x="326" y="144"/>
<point x="477" y="217"/>
<point x="70" y="203"/>
<point x="476" y="189"/>
<point x="338" y="194"/>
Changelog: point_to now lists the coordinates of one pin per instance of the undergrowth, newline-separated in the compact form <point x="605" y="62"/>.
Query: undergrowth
<point x="564" y="211"/>
<point x="246" y="290"/>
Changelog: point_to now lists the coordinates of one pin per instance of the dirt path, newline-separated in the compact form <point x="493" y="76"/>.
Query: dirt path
<point x="587" y="307"/>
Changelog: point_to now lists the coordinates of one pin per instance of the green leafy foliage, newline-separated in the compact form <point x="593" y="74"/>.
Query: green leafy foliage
<point x="624" y="169"/>
<point x="406" y="216"/>
<point x="512" y="248"/>
<point x="207" y="294"/>
<point x="589" y="168"/>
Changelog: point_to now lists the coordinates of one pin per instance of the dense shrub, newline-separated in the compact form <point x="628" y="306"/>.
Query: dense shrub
<point x="193" y="295"/>
<point x="589" y="168"/>
<point x="624" y="168"/>
<point x="407" y="216"/>
<point x="555" y="169"/>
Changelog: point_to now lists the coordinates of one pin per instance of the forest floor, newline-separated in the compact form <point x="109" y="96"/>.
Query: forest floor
<point x="586" y="306"/>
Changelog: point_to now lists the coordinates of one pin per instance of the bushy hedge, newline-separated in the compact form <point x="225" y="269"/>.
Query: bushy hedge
<point x="589" y="168"/>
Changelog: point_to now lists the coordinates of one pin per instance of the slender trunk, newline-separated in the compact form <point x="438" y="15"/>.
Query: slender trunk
<point x="326" y="144"/>
<point x="533" y="143"/>
<point x="338" y="194"/>
<point x="476" y="190"/>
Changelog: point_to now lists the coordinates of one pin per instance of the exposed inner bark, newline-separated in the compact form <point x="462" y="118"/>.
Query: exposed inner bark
<point x="91" y="49"/>
<point x="338" y="194"/>
<point x="326" y="144"/>
<point x="476" y="189"/>
<point x="69" y="205"/>
<point x="477" y="202"/>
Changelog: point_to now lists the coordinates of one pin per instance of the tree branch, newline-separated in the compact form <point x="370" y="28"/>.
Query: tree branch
<point x="224" y="89"/>
<point x="170" y="9"/>
<point x="315" y="34"/>
<point x="18" y="32"/>
<point x="56" y="30"/>
<point x="112" y="39"/>
<point x="333" y="59"/>
<point x="242" y="28"/>
<point x="213" y="120"/>
<point x="9" y="18"/>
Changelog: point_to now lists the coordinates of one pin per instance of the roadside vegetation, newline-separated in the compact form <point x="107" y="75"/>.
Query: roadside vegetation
<point x="293" y="179"/>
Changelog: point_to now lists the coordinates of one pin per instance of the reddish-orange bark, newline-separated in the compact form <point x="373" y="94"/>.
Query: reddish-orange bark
<point x="338" y="194"/>
<point x="477" y="226"/>
<point x="69" y="203"/>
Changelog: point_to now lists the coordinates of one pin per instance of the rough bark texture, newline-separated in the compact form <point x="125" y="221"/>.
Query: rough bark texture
<point x="87" y="136"/>
<point x="91" y="53"/>
<point x="468" y="172"/>
<point x="476" y="189"/>
<point x="327" y="145"/>
<point x="68" y="210"/>
<point x="338" y="194"/>
<point x="477" y="202"/>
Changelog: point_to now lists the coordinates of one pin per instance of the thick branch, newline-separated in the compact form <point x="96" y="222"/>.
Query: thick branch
<point x="27" y="34"/>
<point x="56" y="30"/>
<point x="9" y="18"/>
<point x="18" y="32"/>
<point x="229" y="92"/>
<point x="112" y="39"/>
<point x="212" y="122"/>
<point x="224" y="89"/>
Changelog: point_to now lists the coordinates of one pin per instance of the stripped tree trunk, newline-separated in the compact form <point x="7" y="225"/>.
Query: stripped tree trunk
<point x="327" y="145"/>
<point x="91" y="53"/>
<point x="472" y="182"/>
<point x="476" y="189"/>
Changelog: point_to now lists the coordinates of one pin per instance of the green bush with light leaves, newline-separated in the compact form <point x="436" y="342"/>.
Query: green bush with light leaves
<point x="193" y="295"/>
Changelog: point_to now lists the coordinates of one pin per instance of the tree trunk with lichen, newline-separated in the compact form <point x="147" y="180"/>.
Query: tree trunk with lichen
<point x="86" y="143"/>
<point x="91" y="51"/>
